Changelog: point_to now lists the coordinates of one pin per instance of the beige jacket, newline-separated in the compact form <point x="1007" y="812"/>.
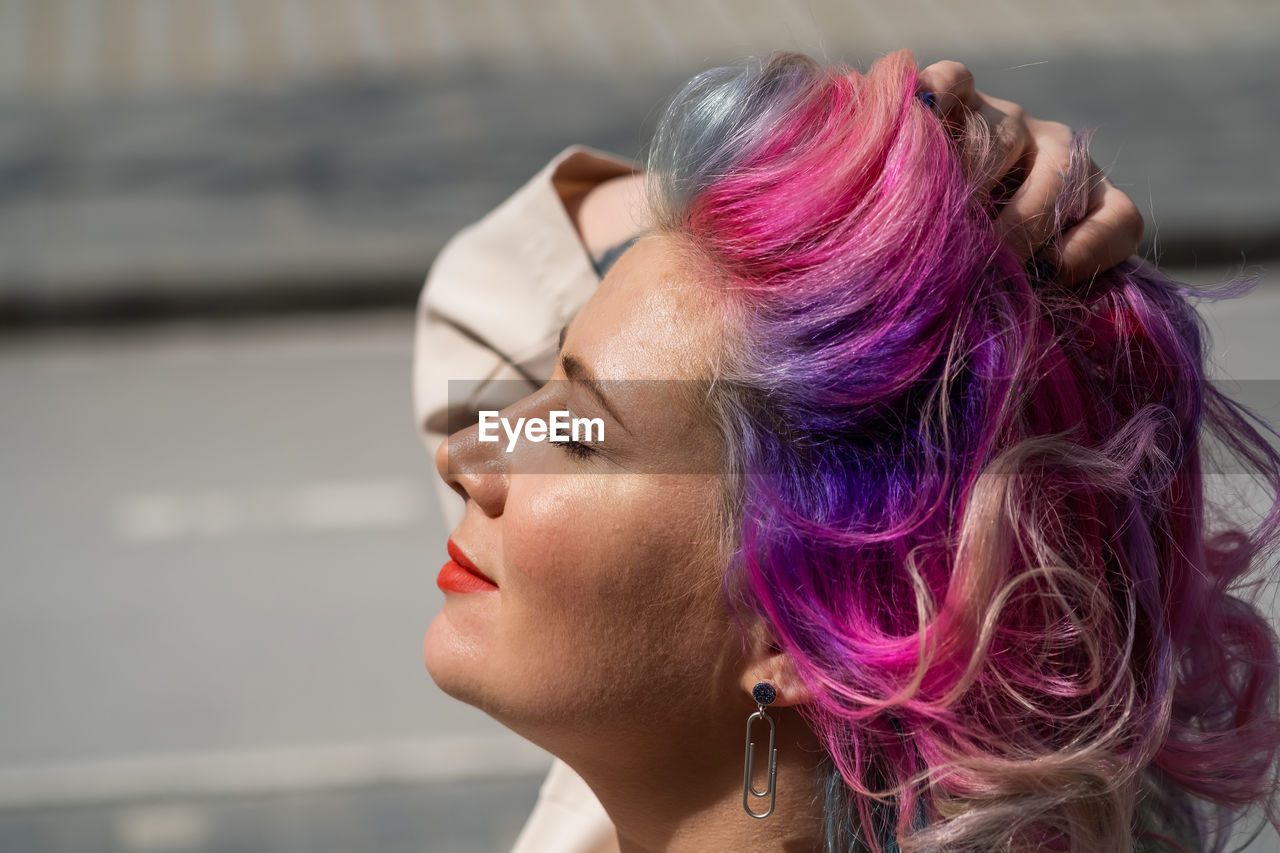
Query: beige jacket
<point x="492" y="308"/>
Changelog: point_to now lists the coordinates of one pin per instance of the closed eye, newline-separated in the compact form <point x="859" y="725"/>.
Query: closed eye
<point x="577" y="449"/>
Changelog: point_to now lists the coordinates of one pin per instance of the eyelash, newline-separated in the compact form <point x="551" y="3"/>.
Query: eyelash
<point x="577" y="449"/>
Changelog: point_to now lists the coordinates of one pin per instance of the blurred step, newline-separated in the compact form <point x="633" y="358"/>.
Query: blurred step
<point x="98" y="48"/>
<point x="453" y="817"/>
<point x="343" y="141"/>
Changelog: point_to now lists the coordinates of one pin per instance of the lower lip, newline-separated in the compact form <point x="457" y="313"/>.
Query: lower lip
<point x="454" y="578"/>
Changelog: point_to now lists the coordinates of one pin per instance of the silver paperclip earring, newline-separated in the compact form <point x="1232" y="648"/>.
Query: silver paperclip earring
<point x="764" y="694"/>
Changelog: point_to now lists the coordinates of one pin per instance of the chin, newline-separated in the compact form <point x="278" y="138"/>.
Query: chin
<point x="458" y="666"/>
<point x="452" y="660"/>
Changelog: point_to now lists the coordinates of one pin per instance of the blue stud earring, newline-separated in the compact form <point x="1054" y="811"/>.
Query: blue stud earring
<point x="764" y="694"/>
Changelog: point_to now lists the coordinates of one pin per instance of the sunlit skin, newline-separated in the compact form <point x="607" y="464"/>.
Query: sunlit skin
<point x="608" y="641"/>
<point x="988" y="546"/>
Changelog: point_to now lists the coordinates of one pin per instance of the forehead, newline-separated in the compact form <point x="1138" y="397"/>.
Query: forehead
<point x="651" y="318"/>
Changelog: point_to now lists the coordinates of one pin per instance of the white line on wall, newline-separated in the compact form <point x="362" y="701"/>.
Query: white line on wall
<point x="447" y="758"/>
<point x="336" y="505"/>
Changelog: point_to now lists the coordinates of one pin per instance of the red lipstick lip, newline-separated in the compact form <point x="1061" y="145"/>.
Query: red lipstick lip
<point x="461" y="559"/>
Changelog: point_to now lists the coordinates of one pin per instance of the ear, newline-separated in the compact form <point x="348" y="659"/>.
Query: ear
<point x="766" y="661"/>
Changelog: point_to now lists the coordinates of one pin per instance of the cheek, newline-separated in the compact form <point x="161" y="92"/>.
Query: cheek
<point x="618" y="554"/>
<point x="572" y="532"/>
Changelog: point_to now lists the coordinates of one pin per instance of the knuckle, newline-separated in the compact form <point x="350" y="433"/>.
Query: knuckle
<point x="1061" y="133"/>
<point x="955" y="75"/>
<point x="1129" y="217"/>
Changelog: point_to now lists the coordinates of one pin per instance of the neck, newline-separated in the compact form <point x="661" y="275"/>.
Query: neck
<point x="688" y="796"/>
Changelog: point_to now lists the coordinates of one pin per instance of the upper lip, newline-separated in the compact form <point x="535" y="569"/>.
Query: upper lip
<point x="459" y="557"/>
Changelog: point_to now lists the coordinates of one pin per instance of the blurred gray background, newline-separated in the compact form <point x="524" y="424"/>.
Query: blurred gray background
<point x="219" y="538"/>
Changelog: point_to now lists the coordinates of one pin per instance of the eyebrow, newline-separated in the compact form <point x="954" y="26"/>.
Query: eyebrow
<point x="578" y="372"/>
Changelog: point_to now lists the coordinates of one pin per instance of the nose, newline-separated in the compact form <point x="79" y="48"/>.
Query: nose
<point x="474" y="469"/>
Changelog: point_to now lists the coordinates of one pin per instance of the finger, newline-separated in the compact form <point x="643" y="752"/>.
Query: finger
<point x="1011" y="129"/>
<point x="952" y="86"/>
<point x="1108" y="234"/>
<point x="1027" y="220"/>
<point x="955" y="93"/>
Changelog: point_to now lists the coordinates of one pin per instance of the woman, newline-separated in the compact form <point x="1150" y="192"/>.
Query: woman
<point x="954" y="549"/>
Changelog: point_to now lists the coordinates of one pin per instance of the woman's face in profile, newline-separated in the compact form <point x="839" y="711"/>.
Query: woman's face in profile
<point x="608" y="605"/>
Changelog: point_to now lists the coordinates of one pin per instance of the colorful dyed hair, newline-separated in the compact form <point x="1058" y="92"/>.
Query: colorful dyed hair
<point x="970" y="503"/>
